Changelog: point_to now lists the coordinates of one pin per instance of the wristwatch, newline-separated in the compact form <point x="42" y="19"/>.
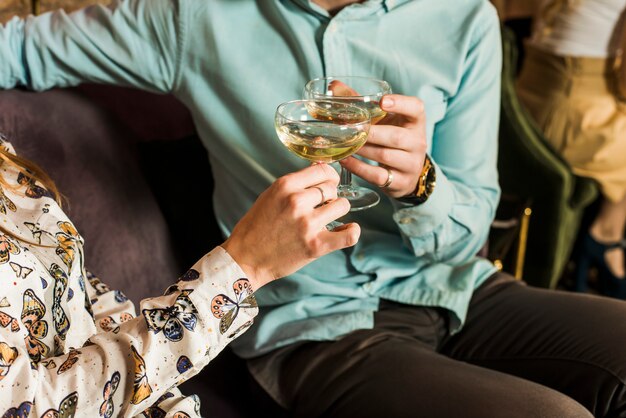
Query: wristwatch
<point x="425" y="185"/>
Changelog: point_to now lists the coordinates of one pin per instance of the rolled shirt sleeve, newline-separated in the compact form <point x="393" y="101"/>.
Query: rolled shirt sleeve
<point x="453" y="224"/>
<point x="132" y="43"/>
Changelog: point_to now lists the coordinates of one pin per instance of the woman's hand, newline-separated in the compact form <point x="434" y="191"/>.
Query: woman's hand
<point x="286" y="227"/>
<point x="398" y="143"/>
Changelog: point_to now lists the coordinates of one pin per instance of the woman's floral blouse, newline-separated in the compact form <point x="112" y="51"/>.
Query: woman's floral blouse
<point x="70" y="346"/>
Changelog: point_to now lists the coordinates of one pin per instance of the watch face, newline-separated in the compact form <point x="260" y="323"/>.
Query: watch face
<point x="430" y="181"/>
<point x="425" y="185"/>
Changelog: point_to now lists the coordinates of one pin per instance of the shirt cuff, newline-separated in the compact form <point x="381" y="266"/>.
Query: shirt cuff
<point x="222" y="279"/>
<point x="418" y="220"/>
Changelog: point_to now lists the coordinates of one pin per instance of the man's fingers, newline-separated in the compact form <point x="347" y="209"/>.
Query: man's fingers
<point x="390" y="136"/>
<point x="339" y="88"/>
<point x="388" y="156"/>
<point x="370" y="173"/>
<point x="410" y="107"/>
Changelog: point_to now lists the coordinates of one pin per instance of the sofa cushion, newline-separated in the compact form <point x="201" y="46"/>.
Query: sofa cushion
<point x="92" y="158"/>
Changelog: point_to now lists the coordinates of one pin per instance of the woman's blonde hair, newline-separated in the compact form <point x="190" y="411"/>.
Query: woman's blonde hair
<point x="31" y="174"/>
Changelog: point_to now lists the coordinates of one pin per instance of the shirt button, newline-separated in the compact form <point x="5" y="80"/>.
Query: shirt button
<point x="332" y="27"/>
<point x="360" y="256"/>
<point x="406" y="220"/>
<point x="419" y="252"/>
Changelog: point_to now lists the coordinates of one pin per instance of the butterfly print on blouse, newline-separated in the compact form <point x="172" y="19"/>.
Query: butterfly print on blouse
<point x="67" y="408"/>
<point x="125" y="317"/>
<point x="22" y="411"/>
<point x="67" y="239"/>
<point x="96" y="283"/>
<point x="107" y="407"/>
<point x="7" y="320"/>
<point x="196" y="403"/>
<point x="72" y="358"/>
<point x="81" y="283"/>
<point x="6" y="203"/>
<point x="141" y="387"/>
<point x="61" y="323"/>
<point x="7" y="247"/>
<point x="119" y="296"/>
<point x="227" y="309"/>
<point x="36" y="231"/>
<point x="20" y="271"/>
<point x="171" y="289"/>
<point x="239" y="330"/>
<point x="190" y="275"/>
<point x="33" y="190"/>
<point x="49" y="364"/>
<point x="108" y="324"/>
<point x="33" y="312"/>
<point x="155" y="411"/>
<point x="87" y="304"/>
<point x="183" y="364"/>
<point x="172" y="321"/>
<point x="8" y="355"/>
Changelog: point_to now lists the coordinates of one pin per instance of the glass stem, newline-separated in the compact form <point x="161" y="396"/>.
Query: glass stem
<point x="345" y="183"/>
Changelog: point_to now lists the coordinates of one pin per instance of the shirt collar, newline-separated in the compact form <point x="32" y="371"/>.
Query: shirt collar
<point x="356" y="9"/>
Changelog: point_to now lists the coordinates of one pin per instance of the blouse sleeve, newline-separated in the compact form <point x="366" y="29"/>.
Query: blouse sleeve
<point x="125" y="370"/>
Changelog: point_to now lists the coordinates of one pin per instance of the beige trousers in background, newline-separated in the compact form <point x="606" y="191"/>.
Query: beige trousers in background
<point x="570" y="99"/>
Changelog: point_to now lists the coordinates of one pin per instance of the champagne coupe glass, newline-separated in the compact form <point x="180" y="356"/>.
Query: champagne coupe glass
<point x="322" y="131"/>
<point x="365" y="92"/>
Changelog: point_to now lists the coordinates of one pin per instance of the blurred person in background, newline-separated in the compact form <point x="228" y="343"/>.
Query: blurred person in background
<point x="570" y="84"/>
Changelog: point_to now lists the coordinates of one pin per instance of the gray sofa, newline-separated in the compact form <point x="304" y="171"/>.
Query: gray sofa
<point x="138" y="187"/>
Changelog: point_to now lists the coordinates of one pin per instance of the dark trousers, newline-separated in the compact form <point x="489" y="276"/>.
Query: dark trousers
<point x="523" y="352"/>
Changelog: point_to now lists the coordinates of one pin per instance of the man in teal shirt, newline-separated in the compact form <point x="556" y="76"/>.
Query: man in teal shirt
<point x="375" y="319"/>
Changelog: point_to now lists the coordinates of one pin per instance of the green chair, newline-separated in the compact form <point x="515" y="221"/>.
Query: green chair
<point x="533" y="172"/>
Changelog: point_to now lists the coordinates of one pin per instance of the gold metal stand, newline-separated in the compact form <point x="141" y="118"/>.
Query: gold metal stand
<point x="521" y="244"/>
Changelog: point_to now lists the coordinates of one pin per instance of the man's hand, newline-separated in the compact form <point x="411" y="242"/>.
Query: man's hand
<point x="398" y="143"/>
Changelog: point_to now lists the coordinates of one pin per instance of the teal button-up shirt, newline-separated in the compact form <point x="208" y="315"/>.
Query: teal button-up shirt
<point x="233" y="62"/>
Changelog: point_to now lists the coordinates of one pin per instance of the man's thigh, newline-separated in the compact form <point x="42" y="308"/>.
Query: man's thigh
<point x="382" y="375"/>
<point x="571" y="342"/>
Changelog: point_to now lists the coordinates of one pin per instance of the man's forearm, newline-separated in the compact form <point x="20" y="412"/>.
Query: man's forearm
<point x="134" y="43"/>
<point x="12" y="71"/>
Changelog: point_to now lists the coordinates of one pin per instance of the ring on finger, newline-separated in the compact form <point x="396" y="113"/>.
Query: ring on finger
<point x="323" y="196"/>
<point x="389" y="178"/>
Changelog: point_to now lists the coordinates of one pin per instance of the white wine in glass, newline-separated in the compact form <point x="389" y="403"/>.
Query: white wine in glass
<point x="305" y="128"/>
<point x="365" y="92"/>
<point x="321" y="142"/>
